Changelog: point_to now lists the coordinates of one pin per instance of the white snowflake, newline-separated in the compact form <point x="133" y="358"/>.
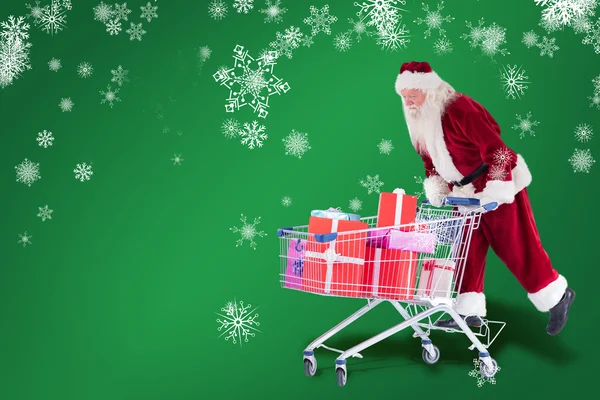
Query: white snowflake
<point x="592" y="37"/>
<point x="320" y="20"/>
<point x="85" y="70"/>
<point x="442" y="46"/>
<point x="283" y="46"/>
<point x="14" y="60"/>
<point x="382" y="14"/>
<point x="502" y="157"/>
<point x="596" y="83"/>
<point x="103" y="12"/>
<point x="296" y="144"/>
<point x="83" y="172"/>
<point x="66" y="104"/>
<point x="113" y="27"/>
<point x="548" y="47"/>
<point x="253" y="135"/>
<point x="35" y="11"/>
<point x="393" y="38"/>
<point x="525" y="125"/>
<point x="121" y="12"/>
<point x="250" y="78"/>
<point x="342" y="41"/>
<point x="148" y="12"/>
<point x="238" y="323"/>
<point x="177" y="159"/>
<point x="595" y="100"/>
<point x="433" y="19"/>
<point x="359" y="27"/>
<point x="204" y="53"/>
<point x="497" y="172"/>
<point x="582" y="161"/>
<point x="247" y="232"/>
<point x="581" y="24"/>
<point x="119" y="75"/>
<point x="230" y="128"/>
<point x="14" y="29"/>
<point x="217" y="10"/>
<point x="584" y="133"/>
<point x="550" y="25"/>
<point x="307" y="41"/>
<point x="53" y="18"/>
<point x="135" y="31"/>
<point x="110" y="96"/>
<point x="355" y="204"/>
<point x="476" y="373"/>
<point x="54" y="64"/>
<point x="273" y="11"/>
<point x="45" y="139"/>
<point x="286" y="201"/>
<point x="563" y="11"/>
<point x="514" y="80"/>
<point x="24" y="238"/>
<point x="385" y="146"/>
<point x="530" y="39"/>
<point x="372" y="184"/>
<point x="28" y="172"/>
<point x="490" y="39"/>
<point x="45" y="213"/>
<point x="243" y="6"/>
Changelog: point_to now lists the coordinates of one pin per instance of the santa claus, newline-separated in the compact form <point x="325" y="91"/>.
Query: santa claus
<point x="464" y="156"/>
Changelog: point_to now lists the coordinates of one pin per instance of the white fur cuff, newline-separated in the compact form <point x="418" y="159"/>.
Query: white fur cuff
<point x="470" y="303"/>
<point x="435" y="187"/>
<point x="549" y="296"/>
<point x="502" y="192"/>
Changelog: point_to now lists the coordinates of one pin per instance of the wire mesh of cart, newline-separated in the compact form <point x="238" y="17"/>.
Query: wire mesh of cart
<point x="417" y="268"/>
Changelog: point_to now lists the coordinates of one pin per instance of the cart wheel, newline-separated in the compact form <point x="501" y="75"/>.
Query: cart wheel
<point x="485" y="371"/>
<point x="310" y="366"/>
<point x="431" y="359"/>
<point x="341" y="376"/>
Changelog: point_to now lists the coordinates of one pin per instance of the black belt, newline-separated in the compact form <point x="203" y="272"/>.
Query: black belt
<point x="472" y="176"/>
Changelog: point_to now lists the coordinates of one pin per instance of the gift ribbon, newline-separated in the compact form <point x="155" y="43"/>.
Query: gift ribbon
<point x="376" y="269"/>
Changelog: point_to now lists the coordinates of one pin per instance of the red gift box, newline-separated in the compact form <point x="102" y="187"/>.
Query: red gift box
<point x="396" y="209"/>
<point x="390" y="274"/>
<point x="335" y="267"/>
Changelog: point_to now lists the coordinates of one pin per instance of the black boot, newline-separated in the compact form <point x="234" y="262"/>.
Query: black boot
<point x="560" y="313"/>
<point x="472" y="320"/>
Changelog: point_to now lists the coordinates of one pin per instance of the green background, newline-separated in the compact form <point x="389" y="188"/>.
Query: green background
<point x="116" y="296"/>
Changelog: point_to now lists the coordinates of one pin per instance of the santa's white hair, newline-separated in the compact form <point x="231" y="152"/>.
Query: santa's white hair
<point x="423" y="120"/>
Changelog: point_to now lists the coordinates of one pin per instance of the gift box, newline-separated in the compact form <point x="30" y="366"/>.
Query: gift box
<point x="420" y="242"/>
<point x="389" y="274"/>
<point x="335" y="213"/>
<point x="295" y="264"/>
<point x="335" y="267"/>
<point x="396" y="208"/>
<point x="436" y="278"/>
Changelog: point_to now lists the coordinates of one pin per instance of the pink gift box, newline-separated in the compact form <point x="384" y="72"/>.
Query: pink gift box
<point x="295" y="264"/>
<point x="419" y="242"/>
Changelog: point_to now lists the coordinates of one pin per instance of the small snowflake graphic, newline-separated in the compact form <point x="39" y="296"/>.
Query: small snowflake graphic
<point x="584" y="133"/>
<point x="83" y="172"/>
<point x="54" y="64"/>
<point x="433" y="19"/>
<point x="286" y="201"/>
<point x="243" y="6"/>
<point x="372" y="184"/>
<point x="489" y="39"/>
<point x="582" y="161"/>
<point x="24" y="238"/>
<point x="217" y="10"/>
<point x="109" y="96"/>
<point x="113" y="27"/>
<point x="119" y="75"/>
<point x="359" y="28"/>
<point x="476" y="373"/>
<point x="547" y="47"/>
<point x="45" y="139"/>
<point x="28" y="172"/>
<point x="148" y="12"/>
<point x="382" y="14"/>
<point x="296" y="144"/>
<point x="121" y="12"/>
<point x="204" y="53"/>
<point x="238" y="322"/>
<point x="530" y="39"/>
<point x="385" y="146"/>
<point x="595" y="100"/>
<point x="342" y="41"/>
<point x="253" y="135"/>
<point x="103" y="12"/>
<point x="320" y="20"/>
<point x="592" y="37"/>
<point x="85" y="70"/>
<point x="393" y="38"/>
<point x="45" y="213"/>
<point x="525" y="125"/>
<point x="581" y="24"/>
<point x="177" y="159"/>
<point x="498" y="172"/>
<point x="502" y="156"/>
<point x="442" y="46"/>
<point x="273" y="11"/>
<point x="355" y="204"/>
<point x="514" y="80"/>
<point x="66" y="105"/>
<point x="135" y="31"/>
<point x="248" y="232"/>
<point x="596" y="83"/>
<point x="230" y="128"/>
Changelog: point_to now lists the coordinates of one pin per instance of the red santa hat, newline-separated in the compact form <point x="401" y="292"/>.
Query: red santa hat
<point x="417" y="75"/>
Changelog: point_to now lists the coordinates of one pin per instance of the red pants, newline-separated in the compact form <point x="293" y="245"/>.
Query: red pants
<point x="511" y="232"/>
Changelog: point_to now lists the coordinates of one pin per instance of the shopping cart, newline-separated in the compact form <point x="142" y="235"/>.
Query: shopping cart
<point x="342" y="264"/>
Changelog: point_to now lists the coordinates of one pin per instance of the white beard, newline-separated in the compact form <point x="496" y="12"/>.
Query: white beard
<point x="422" y="123"/>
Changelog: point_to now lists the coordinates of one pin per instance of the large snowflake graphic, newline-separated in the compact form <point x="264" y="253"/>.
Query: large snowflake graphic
<point x="296" y="144"/>
<point x="273" y="11"/>
<point x="584" y="133"/>
<point x="45" y="139"/>
<point x="320" y="20"/>
<point x="372" y="184"/>
<point x="433" y="19"/>
<point x="250" y="78"/>
<point x="525" y="125"/>
<point x="239" y="322"/>
<point x="83" y="172"/>
<point x="217" y="10"/>
<point x="582" y="161"/>
<point x="243" y="6"/>
<point x="515" y="81"/>
<point x="28" y="172"/>
<point x="14" y="29"/>
<point x="248" y="232"/>
<point x="53" y="18"/>
<point x="230" y="128"/>
<point x="489" y="39"/>
<point x="45" y="213"/>
<point x="253" y="135"/>
<point x="14" y="51"/>
<point x="562" y="12"/>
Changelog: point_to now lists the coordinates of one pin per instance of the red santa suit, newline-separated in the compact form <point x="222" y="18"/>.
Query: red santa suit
<point x="467" y="136"/>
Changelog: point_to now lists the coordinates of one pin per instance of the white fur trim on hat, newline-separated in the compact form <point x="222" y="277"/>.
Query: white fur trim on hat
<point x="470" y="303"/>
<point x="549" y="296"/>
<point x="417" y="80"/>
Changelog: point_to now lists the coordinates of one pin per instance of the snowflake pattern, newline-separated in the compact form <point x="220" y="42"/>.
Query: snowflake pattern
<point x="248" y="232"/>
<point x="24" y="238"/>
<point x="372" y="184"/>
<point x="433" y="20"/>
<point x="581" y="24"/>
<point x="121" y="12"/>
<point x="562" y="12"/>
<point x="476" y="373"/>
<point x="204" y="53"/>
<point x="35" y="11"/>
<point x="489" y="39"/>
<point x="28" y="172"/>
<point x="113" y="27"/>
<point x="253" y="78"/>
<point x="243" y="6"/>
<point x="148" y="12"/>
<point x="502" y="157"/>
<point x="514" y="80"/>
<point x="273" y="11"/>
<point x="85" y="70"/>
<point x="393" y="38"/>
<point x="177" y="159"/>
<point x="442" y="46"/>
<point x="385" y="146"/>
<point x="525" y="125"/>
<point x="66" y="105"/>
<point x="45" y="213"/>
<point x="355" y="204"/>
<point x="217" y="10"/>
<point x="45" y="139"/>
<point x="384" y="15"/>
<point x="119" y="75"/>
<point x="54" y="64"/>
<point x="582" y="161"/>
<point x="53" y="18"/>
<point x="14" y="53"/>
<point x="253" y="135"/>
<point x="584" y="133"/>
<point x="238" y="323"/>
<point x="342" y="41"/>
<point x="498" y="172"/>
<point x="286" y="42"/>
<point x="14" y="29"/>
<point x="320" y="20"/>
<point x="296" y="144"/>
<point x="109" y="96"/>
<point x="103" y="12"/>
<point x="547" y="47"/>
<point x="286" y="201"/>
<point x="230" y="128"/>
<point x="595" y="100"/>
<point x="83" y="172"/>
<point x="592" y="37"/>
<point x="135" y="31"/>
<point x="596" y="82"/>
<point x="530" y="39"/>
<point x="359" y="28"/>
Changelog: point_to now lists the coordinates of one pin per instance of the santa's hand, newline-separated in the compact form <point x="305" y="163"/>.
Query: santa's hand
<point x="483" y="200"/>
<point x="437" y="200"/>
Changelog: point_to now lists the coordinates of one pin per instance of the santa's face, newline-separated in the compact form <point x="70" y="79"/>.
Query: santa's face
<point x="413" y="100"/>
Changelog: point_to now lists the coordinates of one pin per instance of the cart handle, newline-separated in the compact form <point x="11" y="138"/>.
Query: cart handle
<point x="466" y="201"/>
